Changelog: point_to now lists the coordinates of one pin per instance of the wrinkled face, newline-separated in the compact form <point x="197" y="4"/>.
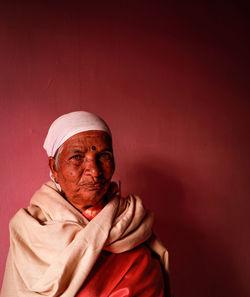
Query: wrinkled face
<point x="85" y="168"/>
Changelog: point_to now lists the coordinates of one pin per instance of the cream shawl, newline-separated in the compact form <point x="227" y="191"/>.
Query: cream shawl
<point x="53" y="247"/>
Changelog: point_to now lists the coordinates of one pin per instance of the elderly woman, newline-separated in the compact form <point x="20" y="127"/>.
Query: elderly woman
<point x="79" y="237"/>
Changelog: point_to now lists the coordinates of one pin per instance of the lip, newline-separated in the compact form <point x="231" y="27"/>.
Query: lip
<point x="93" y="186"/>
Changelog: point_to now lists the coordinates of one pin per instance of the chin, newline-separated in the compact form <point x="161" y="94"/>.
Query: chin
<point x="82" y="198"/>
<point x="92" y="196"/>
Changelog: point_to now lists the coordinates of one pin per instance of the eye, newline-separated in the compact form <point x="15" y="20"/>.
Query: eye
<point x="76" y="157"/>
<point x="105" y="156"/>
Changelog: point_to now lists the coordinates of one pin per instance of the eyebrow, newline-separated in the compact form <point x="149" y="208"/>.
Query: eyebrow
<point x="107" y="149"/>
<point x="77" y="151"/>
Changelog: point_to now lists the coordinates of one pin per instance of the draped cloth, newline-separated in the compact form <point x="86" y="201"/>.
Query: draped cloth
<point x="129" y="274"/>
<point x="53" y="247"/>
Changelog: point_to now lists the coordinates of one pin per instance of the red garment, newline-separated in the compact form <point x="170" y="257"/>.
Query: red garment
<point x="133" y="273"/>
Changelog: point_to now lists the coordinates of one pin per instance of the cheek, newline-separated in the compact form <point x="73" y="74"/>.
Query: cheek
<point x="70" y="173"/>
<point x="108" y="169"/>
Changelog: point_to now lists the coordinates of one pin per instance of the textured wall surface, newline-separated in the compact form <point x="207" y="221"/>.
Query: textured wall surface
<point x="172" y="81"/>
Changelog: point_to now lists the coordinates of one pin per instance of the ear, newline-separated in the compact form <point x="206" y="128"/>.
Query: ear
<point x="52" y="166"/>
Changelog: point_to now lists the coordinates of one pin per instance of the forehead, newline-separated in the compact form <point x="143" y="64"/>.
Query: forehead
<point x="88" y="138"/>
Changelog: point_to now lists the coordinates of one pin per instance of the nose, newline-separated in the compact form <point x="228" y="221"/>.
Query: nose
<point x="92" y="167"/>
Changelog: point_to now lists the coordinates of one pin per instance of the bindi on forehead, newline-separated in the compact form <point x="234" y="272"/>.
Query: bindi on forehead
<point x="83" y="147"/>
<point x="88" y="142"/>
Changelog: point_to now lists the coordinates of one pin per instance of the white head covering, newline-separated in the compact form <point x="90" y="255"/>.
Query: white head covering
<point x="70" y="124"/>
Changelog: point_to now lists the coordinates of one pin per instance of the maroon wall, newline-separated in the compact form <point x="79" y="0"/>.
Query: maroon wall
<point x="172" y="81"/>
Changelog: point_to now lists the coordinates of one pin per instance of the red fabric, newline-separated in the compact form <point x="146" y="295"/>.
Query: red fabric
<point x="133" y="273"/>
<point x="91" y="212"/>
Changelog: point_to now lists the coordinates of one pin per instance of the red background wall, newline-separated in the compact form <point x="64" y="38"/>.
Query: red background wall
<point x="172" y="81"/>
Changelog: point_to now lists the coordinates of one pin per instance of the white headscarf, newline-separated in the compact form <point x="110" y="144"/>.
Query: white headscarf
<point x="70" y="124"/>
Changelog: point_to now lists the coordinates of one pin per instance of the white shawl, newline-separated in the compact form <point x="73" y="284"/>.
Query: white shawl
<point x="53" y="247"/>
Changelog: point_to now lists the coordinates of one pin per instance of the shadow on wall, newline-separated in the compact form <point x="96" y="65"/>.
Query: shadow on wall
<point x="200" y="264"/>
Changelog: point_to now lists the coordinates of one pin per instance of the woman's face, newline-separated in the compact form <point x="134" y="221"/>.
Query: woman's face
<point x="85" y="167"/>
